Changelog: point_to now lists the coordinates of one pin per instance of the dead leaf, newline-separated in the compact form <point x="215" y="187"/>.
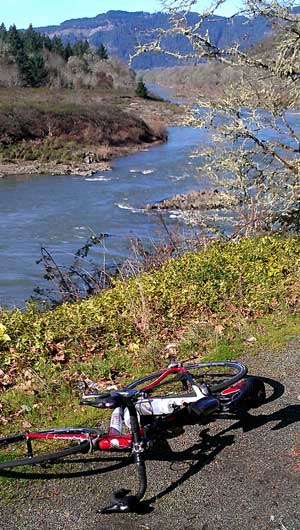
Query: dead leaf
<point x="60" y="357"/>
<point x="250" y="340"/>
<point x="219" y="329"/>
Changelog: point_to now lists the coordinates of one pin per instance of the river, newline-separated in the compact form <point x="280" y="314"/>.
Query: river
<point x="62" y="212"/>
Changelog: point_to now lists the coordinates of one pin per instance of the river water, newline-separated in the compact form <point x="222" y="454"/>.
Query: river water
<point x="62" y="212"/>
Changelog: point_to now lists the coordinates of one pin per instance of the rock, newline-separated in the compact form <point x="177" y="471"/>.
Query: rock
<point x="195" y="200"/>
<point x="89" y="158"/>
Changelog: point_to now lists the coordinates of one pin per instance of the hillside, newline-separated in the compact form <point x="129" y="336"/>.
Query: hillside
<point x="31" y="59"/>
<point x="69" y="109"/>
<point x="211" y="79"/>
<point x="120" y="31"/>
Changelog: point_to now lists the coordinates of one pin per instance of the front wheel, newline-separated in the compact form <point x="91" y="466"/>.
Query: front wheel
<point x="42" y="446"/>
<point x="251" y="395"/>
<point x="217" y="375"/>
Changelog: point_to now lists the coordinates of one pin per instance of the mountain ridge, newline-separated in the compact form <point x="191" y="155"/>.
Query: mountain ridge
<point x="120" y="32"/>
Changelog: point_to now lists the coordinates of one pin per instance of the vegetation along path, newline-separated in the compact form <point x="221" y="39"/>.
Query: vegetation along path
<point x="225" y="476"/>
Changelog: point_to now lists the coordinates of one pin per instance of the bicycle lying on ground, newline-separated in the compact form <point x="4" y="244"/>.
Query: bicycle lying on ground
<point x="147" y="411"/>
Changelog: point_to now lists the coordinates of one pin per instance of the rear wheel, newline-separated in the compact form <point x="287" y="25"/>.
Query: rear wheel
<point x="42" y="446"/>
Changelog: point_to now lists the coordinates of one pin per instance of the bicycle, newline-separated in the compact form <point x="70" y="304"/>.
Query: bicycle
<point x="152" y="409"/>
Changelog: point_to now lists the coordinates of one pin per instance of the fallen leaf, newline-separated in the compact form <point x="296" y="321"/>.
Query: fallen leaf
<point x="250" y="340"/>
<point x="60" y="357"/>
<point x="219" y="329"/>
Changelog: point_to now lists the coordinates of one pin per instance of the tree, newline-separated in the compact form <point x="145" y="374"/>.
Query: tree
<point x="35" y="71"/>
<point x="15" y="41"/>
<point x="102" y="52"/>
<point x="81" y="47"/>
<point x="141" y="90"/>
<point x="57" y="46"/>
<point x="47" y="43"/>
<point x="26" y="49"/>
<point x="252" y="129"/>
<point x="3" y="32"/>
<point x="33" y="41"/>
<point x="68" y="52"/>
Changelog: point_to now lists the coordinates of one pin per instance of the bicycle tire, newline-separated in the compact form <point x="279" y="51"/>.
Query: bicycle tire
<point x="12" y="440"/>
<point x="229" y="380"/>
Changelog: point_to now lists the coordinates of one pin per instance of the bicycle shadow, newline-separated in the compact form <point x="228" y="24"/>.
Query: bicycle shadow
<point x="197" y="457"/>
<point x="120" y="462"/>
<point x="210" y="446"/>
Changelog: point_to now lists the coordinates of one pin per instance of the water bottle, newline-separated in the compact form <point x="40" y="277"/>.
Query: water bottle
<point x="116" y="422"/>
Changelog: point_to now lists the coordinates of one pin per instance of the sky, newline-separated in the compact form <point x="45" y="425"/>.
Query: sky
<point x="49" y="12"/>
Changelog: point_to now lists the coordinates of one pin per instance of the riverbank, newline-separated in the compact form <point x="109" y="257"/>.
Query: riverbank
<point x="212" y="303"/>
<point x="81" y="134"/>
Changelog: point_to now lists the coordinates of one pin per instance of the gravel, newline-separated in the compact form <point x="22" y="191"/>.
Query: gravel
<point x="223" y="476"/>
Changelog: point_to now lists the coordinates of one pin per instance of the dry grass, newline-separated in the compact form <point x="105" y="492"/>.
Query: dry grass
<point x="43" y="124"/>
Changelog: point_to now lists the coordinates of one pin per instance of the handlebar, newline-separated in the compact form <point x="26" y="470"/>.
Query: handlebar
<point x="112" y="399"/>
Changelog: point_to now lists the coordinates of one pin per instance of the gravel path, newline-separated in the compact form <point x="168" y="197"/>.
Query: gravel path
<point x="225" y="476"/>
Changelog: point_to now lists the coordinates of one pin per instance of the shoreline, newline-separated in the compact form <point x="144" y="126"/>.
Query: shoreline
<point x="83" y="168"/>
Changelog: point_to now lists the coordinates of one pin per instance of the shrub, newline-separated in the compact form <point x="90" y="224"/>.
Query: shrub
<point x="248" y="279"/>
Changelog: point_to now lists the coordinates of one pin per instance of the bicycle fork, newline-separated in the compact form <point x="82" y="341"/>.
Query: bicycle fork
<point x="122" y="501"/>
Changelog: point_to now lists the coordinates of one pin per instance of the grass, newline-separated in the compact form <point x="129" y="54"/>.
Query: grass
<point x="216" y="304"/>
<point x="60" y="407"/>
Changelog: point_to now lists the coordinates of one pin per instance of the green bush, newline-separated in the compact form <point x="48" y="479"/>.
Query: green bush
<point x="250" y="277"/>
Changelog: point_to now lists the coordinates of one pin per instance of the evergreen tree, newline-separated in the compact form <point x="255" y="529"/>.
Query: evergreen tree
<point x="141" y="90"/>
<point x="16" y="48"/>
<point x="47" y="43"/>
<point x="33" y="41"/>
<point x="102" y="52"/>
<point x="57" y="46"/>
<point x="35" y="71"/>
<point x="81" y="47"/>
<point x="3" y="32"/>
<point x="68" y="52"/>
<point x="15" y="41"/>
<point x="26" y="49"/>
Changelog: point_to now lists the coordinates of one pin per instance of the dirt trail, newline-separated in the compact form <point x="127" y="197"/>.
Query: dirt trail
<point x="226" y="476"/>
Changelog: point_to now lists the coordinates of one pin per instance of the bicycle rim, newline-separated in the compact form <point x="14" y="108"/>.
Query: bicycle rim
<point x="41" y="446"/>
<point x="217" y="375"/>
